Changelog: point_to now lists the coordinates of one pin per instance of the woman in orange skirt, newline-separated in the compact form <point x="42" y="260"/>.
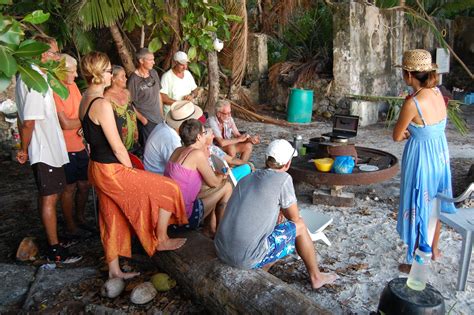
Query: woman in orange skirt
<point x="129" y="199"/>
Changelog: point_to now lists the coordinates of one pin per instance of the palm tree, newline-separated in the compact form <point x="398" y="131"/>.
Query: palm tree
<point x="99" y="13"/>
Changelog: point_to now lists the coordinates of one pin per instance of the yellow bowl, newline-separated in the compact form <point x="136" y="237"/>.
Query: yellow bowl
<point x="323" y="165"/>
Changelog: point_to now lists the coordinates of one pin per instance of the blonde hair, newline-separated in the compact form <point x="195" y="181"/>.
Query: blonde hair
<point x="70" y="61"/>
<point x="93" y="66"/>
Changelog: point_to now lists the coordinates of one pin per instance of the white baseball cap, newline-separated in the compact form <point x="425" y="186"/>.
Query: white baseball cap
<point x="281" y="150"/>
<point x="181" y="57"/>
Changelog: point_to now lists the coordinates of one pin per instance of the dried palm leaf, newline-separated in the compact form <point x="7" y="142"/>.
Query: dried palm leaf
<point x="234" y="54"/>
<point x="249" y="115"/>
<point x="274" y="74"/>
<point x="309" y="71"/>
<point x="245" y="100"/>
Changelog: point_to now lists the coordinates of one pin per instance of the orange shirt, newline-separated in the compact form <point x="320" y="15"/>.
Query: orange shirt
<point x="70" y="108"/>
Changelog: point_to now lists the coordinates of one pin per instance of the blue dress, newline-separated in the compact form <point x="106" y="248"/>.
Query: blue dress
<point x="425" y="172"/>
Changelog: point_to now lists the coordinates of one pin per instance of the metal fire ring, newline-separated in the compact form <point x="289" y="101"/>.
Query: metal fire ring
<point x="302" y="170"/>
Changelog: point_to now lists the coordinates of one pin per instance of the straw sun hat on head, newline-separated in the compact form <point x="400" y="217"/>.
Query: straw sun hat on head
<point x="181" y="111"/>
<point x="417" y="60"/>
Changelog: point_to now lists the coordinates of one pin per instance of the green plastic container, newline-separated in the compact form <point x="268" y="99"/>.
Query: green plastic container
<point x="300" y="106"/>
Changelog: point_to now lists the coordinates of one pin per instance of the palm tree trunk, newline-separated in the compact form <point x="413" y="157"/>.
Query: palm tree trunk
<point x="122" y="49"/>
<point x="213" y="78"/>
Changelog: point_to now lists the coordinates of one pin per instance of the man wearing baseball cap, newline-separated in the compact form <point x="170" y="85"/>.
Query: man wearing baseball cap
<point x="178" y="83"/>
<point x="249" y="236"/>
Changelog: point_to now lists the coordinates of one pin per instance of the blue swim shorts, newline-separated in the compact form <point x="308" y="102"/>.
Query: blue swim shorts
<point x="196" y="217"/>
<point x="281" y="243"/>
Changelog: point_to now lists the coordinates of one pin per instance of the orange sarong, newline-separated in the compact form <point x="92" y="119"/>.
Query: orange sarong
<point x="130" y="199"/>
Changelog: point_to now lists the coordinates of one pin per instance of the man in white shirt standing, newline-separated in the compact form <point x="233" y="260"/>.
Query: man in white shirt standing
<point x="178" y="83"/>
<point x="42" y="141"/>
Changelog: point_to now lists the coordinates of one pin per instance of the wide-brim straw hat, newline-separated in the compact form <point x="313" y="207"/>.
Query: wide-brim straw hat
<point x="417" y="60"/>
<point x="181" y="111"/>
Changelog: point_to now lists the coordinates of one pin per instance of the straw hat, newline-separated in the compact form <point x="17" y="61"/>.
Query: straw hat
<point x="417" y="60"/>
<point x="181" y="111"/>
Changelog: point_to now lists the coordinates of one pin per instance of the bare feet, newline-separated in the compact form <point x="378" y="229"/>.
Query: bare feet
<point x="437" y="254"/>
<point x="323" y="279"/>
<point x="123" y="275"/>
<point x="405" y="268"/>
<point x="170" y="244"/>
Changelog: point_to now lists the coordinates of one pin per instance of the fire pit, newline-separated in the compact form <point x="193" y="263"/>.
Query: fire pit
<point x="303" y="170"/>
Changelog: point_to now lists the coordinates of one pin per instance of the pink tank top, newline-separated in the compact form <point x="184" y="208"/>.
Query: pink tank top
<point x="189" y="181"/>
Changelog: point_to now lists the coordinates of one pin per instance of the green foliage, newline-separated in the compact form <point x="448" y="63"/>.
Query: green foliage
<point x="437" y="8"/>
<point x="395" y="104"/>
<point x="17" y="55"/>
<point x="308" y="35"/>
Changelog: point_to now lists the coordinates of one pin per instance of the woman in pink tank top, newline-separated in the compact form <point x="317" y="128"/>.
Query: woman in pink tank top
<point x="188" y="166"/>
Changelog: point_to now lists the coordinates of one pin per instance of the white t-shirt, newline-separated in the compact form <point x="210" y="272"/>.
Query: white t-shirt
<point x="161" y="143"/>
<point x="177" y="88"/>
<point x="47" y="141"/>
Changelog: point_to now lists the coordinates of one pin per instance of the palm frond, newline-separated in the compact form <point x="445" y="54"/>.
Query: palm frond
<point x="234" y="54"/>
<point x="100" y="13"/>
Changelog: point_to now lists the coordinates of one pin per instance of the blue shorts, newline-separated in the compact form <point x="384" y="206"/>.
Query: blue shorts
<point x="76" y="169"/>
<point x="281" y="243"/>
<point x="196" y="217"/>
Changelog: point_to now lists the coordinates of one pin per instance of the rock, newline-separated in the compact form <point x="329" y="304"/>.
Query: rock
<point x="112" y="288"/>
<point x="16" y="280"/>
<point x="376" y="198"/>
<point x="162" y="282"/>
<point x="27" y="249"/>
<point x="143" y="293"/>
<point x="326" y="114"/>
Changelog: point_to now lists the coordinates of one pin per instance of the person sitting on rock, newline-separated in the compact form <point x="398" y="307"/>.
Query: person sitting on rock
<point x="228" y="136"/>
<point x="165" y="137"/>
<point x="249" y="236"/>
<point x="189" y="168"/>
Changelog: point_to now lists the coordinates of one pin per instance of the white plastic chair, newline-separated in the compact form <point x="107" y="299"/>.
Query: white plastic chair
<point x="316" y="223"/>
<point x="463" y="222"/>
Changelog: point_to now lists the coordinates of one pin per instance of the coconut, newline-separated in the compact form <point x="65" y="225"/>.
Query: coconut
<point x="162" y="282"/>
<point x="143" y="293"/>
<point x="112" y="287"/>
<point x="27" y="250"/>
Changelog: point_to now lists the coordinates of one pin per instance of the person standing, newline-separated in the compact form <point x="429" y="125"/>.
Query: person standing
<point x="178" y="84"/>
<point x="130" y="199"/>
<point x="144" y="86"/>
<point x="77" y="188"/>
<point x="42" y="141"/>
<point x="425" y="162"/>
<point x="119" y="97"/>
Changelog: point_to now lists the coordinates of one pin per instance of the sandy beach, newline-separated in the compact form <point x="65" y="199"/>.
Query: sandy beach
<point x="366" y="249"/>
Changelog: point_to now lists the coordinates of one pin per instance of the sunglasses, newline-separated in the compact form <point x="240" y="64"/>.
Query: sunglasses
<point x="149" y="82"/>
<point x="206" y="131"/>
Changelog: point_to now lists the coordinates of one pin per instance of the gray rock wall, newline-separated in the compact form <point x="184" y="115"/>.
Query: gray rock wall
<point x="367" y="43"/>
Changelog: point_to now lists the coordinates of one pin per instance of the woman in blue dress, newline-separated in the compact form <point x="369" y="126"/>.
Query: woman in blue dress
<point x="425" y="163"/>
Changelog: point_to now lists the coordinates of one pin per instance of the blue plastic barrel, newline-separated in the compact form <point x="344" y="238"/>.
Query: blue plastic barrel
<point x="300" y="106"/>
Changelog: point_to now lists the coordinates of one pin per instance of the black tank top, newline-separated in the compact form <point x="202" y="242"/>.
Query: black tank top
<point x="101" y="151"/>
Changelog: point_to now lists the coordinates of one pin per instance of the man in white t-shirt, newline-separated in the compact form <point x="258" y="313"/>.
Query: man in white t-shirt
<point x="42" y="141"/>
<point x="178" y="83"/>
